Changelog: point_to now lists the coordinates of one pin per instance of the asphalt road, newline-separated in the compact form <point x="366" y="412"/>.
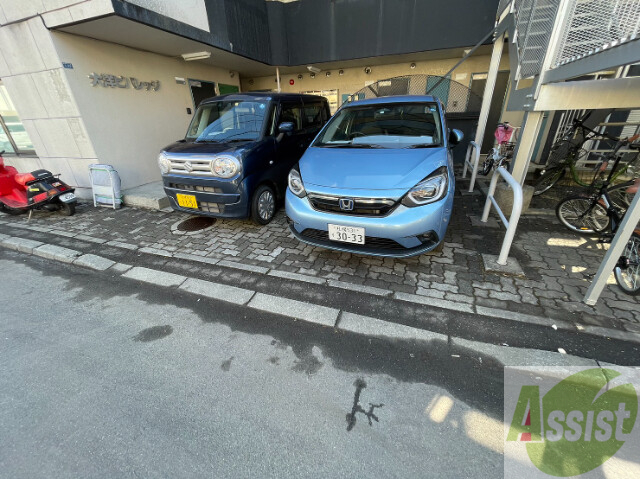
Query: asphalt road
<point x="99" y="379"/>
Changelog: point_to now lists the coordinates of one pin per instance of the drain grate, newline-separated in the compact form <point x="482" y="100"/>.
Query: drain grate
<point x="195" y="224"/>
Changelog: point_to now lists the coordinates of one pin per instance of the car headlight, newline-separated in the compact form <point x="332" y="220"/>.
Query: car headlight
<point x="429" y="190"/>
<point x="164" y="163"/>
<point x="295" y="183"/>
<point x="225" y="166"/>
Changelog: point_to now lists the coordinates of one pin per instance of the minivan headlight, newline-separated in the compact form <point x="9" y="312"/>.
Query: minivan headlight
<point x="295" y="183"/>
<point x="164" y="163"/>
<point x="225" y="166"/>
<point x="429" y="190"/>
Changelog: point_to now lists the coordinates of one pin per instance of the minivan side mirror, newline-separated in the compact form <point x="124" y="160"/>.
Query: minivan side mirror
<point x="455" y="137"/>
<point x="284" y="128"/>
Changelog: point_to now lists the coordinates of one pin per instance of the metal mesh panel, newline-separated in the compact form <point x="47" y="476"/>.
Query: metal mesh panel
<point x="458" y="99"/>
<point x="595" y="25"/>
<point x="534" y="22"/>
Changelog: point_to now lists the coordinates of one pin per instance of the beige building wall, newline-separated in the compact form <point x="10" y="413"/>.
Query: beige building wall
<point x="129" y="127"/>
<point x="72" y="123"/>
<point x="53" y="11"/>
<point x="354" y="79"/>
<point x="32" y="73"/>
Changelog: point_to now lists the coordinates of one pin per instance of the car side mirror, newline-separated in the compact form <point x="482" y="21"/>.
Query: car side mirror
<point x="455" y="137"/>
<point x="284" y="128"/>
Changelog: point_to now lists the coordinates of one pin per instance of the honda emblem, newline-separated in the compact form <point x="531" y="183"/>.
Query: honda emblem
<point x="346" y="204"/>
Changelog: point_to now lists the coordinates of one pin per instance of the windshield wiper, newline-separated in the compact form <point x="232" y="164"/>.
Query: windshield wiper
<point x="207" y="141"/>
<point x="422" y="145"/>
<point x="352" y="145"/>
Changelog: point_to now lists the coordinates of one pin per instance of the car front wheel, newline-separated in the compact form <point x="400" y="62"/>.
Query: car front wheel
<point x="263" y="205"/>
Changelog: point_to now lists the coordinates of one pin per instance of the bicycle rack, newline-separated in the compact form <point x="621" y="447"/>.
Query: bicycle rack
<point x="512" y="223"/>
<point x="473" y="166"/>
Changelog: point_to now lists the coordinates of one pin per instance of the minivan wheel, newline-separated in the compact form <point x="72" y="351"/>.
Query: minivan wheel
<point x="263" y="205"/>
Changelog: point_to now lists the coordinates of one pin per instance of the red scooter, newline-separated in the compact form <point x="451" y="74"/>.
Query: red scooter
<point x="40" y="189"/>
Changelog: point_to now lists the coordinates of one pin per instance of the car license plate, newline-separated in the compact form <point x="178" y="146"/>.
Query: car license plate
<point x="346" y="234"/>
<point x="187" y="201"/>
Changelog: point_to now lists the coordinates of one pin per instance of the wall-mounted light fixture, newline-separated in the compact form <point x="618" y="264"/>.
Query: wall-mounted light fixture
<point x="300" y="76"/>
<point x="328" y="74"/>
<point x="367" y="70"/>
<point x="412" y="66"/>
<point x="189" y="57"/>
<point x="340" y="72"/>
<point x="313" y="69"/>
<point x="312" y="75"/>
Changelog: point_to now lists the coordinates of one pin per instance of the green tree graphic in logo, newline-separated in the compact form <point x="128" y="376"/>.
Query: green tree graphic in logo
<point x="579" y="425"/>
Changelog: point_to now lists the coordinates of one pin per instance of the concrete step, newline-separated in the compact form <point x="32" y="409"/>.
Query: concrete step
<point x="149" y="196"/>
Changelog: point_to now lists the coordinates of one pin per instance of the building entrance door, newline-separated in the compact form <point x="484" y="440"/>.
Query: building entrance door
<point x="201" y="90"/>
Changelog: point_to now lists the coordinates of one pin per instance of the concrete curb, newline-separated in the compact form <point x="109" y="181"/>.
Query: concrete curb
<point x="292" y="308"/>
<point x="316" y="314"/>
<point x="57" y="253"/>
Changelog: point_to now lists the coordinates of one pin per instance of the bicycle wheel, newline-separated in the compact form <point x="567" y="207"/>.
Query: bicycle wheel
<point x="487" y="165"/>
<point x="619" y="195"/>
<point x="627" y="273"/>
<point x="548" y="179"/>
<point x="582" y="215"/>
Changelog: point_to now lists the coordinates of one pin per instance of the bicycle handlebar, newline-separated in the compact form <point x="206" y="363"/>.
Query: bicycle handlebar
<point x="614" y="154"/>
<point x="579" y="123"/>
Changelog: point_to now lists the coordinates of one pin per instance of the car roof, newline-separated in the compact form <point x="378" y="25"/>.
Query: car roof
<point x="264" y="95"/>
<point x="393" y="99"/>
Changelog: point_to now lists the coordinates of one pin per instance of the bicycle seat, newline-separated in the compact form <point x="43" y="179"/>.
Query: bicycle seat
<point x="23" y="178"/>
<point x="635" y="146"/>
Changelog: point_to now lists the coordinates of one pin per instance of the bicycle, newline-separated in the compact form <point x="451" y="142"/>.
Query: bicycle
<point x="566" y="153"/>
<point x="627" y="271"/>
<point x="599" y="211"/>
<point x="506" y="136"/>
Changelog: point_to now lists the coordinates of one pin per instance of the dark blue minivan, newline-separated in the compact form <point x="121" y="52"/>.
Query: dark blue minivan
<point x="238" y="151"/>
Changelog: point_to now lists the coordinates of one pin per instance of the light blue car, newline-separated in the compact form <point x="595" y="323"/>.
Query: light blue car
<point x="377" y="180"/>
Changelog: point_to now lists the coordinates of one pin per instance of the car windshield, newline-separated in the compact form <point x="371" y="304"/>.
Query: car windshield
<point x="391" y="125"/>
<point x="227" y="120"/>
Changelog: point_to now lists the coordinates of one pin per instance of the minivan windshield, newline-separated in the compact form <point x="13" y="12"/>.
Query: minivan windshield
<point x="227" y="120"/>
<point x="391" y="125"/>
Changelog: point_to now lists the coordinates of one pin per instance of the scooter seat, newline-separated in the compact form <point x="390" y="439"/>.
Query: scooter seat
<point x="23" y="178"/>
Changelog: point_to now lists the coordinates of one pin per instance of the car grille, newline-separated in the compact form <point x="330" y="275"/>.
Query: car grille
<point x="204" y="189"/>
<point x="212" y="207"/>
<point x="190" y="166"/>
<point x="361" y="206"/>
<point x="370" y="242"/>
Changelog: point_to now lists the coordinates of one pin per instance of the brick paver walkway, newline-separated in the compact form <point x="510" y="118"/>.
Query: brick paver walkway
<point x="556" y="262"/>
